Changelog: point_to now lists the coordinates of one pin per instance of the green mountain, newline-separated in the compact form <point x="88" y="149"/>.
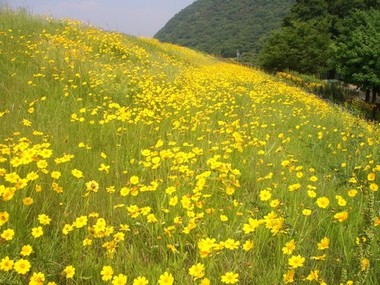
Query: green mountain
<point x="222" y="27"/>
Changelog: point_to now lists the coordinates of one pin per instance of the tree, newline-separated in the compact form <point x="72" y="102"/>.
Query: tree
<point x="306" y="10"/>
<point x="304" y="42"/>
<point x="301" y="46"/>
<point x="357" y="50"/>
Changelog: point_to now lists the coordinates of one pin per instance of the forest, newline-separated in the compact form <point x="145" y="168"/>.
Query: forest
<point x="223" y="27"/>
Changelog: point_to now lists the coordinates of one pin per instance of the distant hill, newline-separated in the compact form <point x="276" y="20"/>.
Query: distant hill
<point x="222" y="27"/>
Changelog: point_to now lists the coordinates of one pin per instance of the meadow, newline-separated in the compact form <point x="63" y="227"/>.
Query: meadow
<point x="124" y="160"/>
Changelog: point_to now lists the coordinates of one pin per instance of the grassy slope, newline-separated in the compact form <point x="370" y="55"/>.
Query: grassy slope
<point x="181" y="155"/>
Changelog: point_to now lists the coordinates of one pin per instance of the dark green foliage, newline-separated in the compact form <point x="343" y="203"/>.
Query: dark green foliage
<point x="357" y="50"/>
<point x="222" y="27"/>
<point x="303" y="47"/>
<point x="304" y="43"/>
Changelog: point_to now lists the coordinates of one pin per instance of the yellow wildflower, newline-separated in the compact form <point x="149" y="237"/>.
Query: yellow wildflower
<point x="22" y="266"/>
<point x="166" y="279"/>
<point x="107" y="273"/>
<point x="324" y="243"/>
<point x="140" y="281"/>
<point x="26" y="250"/>
<point x="197" y="270"/>
<point x="230" y="278"/>
<point x="69" y="272"/>
<point x="6" y="264"/>
<point x="7" y="234"/>
<point x="289" y="247"/>
<point x="323" y="202"/>
<point x="341" y="216"/>
<point x="296" y="261"/>
<point x="120" y="279"/>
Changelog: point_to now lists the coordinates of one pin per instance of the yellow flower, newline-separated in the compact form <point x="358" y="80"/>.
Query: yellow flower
<point x="77" y="173"/>
<point x="314" y="275"/>
<point x="37" y="278"/>
<point x="311" y="193"/>
<point x="55" y="174"/>
<point x="248" y="245"/>
<point x="173" y="201"/>
<point x="67" y="228"/>
<point x="42" y="164"/>
<point x="306" y="212"/>
<point x="323" y="202"/>
<point x="197" y="270"/>
<point x="105" y="168"/>
<point x="296" y="261"/>
<point x="265" y="195"/>
<point x="376" y="222"/>
<point x="106" y="273"/>
<point x="37" y="232"/>
<point x="8" y="234"/>
<point x="27" y="201"/>
<point x="374" y="187"/>
<point x="230" y="278"/>
<point x="324" y="243"/>
<point x="313" y="178"/>
<point x="92" y="186"/>
<point x="44" y="219"/>
<point x="12" y="177"/>
<point x="87" y="242"/>
<point x="371" y="176"/>
<point x="80" y="222"/>
<point x="6" y="264"/>
<point x="22" y="266"/>
<point x="32" y="176"/>
<point x="230" y="190"/>
<point x="223" y="218"/>
<point x="124" y="191"/>
<point x="288" y="277"/>
<point x="4" y="217"/>
<point x="69" y="271"/>
<point x="364" y="263"/>
<point x="251" y="226"/>
<point x="133" y="211"/>
<point x="274" y="203"/>
<point x="134" y="180"/>
<point x="341" y="201"/>
<point x="231" y="244"/>
<point x="205" y="281"/>
<point x="319" y="257"/>
<point x="26" y="250"/>
<point x="341" y="216"/>
<point x="294" y="187"/>
<point x="352" y="193"/>
<point x="120" y="279"/>
<point x="166" y="279"/>
<point x="289" y="247"/>
<point x="140" y="281"/>
<point x="151" y="218"/>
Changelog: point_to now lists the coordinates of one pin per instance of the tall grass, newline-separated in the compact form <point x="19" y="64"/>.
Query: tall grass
<point x="128" y="161"/>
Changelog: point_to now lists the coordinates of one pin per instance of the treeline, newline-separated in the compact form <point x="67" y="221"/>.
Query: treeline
<point x="221" y="27"/>
<point x="330" y="39"/>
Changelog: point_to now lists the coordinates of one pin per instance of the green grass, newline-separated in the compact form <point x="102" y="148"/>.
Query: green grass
<point x="181" y="150"/>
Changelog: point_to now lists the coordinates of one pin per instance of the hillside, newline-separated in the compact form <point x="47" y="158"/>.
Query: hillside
<point x="129" y="161"/>
<point x="223" y="27"/>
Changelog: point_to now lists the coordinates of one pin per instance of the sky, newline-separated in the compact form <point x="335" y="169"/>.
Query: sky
<point x="134" y="17"/>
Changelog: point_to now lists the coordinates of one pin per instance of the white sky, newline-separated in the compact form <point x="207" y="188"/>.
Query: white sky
<point x="134" y="17"/>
